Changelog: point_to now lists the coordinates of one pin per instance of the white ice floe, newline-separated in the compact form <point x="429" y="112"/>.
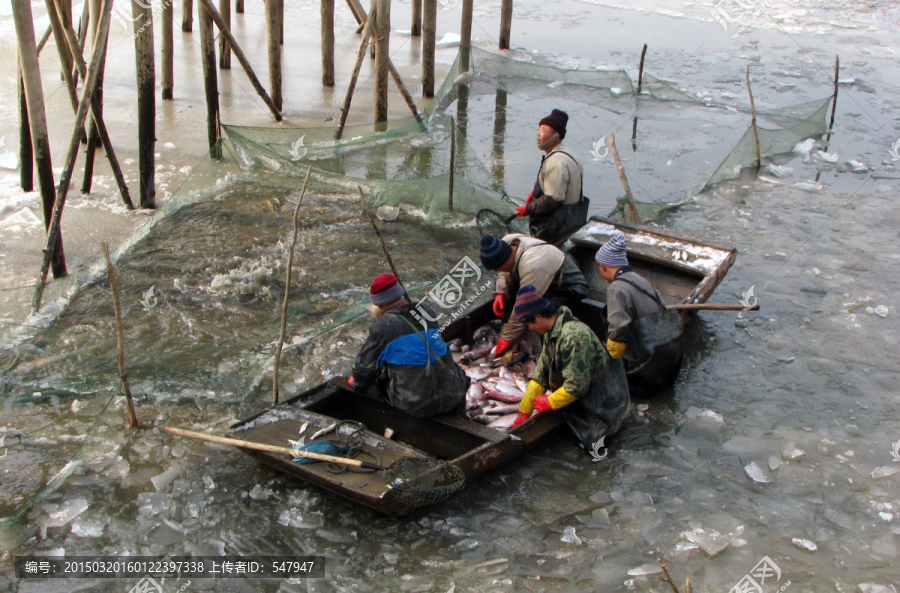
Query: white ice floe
<point x="804" y="544"/>
<point x="803" y="148"/>
<point x="757" y="473"/>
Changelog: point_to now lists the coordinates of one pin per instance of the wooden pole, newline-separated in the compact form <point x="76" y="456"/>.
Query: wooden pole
<point x="359" y="13"/>
<point x="224" y="52"/>
<point x="273" y="28"/>
<point x="452" y="164"/>
<point x="837" y="69"/>
<point x="327" y="21"/>
<point x="167" y="50"/>
<point x="287" y="290"/>
<point x="93" y="140"/>
<point x="239" y="6"/>
<point x="360" y="54"/>
<point x="90" y="83"/>
<point x="387" y="254"/>
<point x="187" y="15"/>
<point x="506" y="12"/>
<point x="641" y="69"/>
<point x="499" y="137"/>
<point x="120" y="336"/>
<point x="416" y="18"/>
<point x="26" y="155"/>
<point x="382" y="36"/>
<point x="406" y="96"/>
<point x="429" y="35"/>
<point x="44" y="38"/>
<point x="465" y="34"/>
<point x="753" y="111"/>
<point x="210" y="78"/>
<point x="146" y="87"/>
<point x="37" y="119"/>
<point x="241" y="57"/>
<point x="269" y="448"/>
<point x="62" y="49"/>
<point x="281" y="22"/>
<point x="634" y="216"/>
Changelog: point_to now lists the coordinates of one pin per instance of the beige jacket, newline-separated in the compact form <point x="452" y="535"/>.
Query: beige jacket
<point x="535" y="263"/>
<point x="560" y="176"/>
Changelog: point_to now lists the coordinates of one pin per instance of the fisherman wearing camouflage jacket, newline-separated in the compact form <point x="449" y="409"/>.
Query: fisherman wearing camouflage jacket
<point x="588" y="387"/>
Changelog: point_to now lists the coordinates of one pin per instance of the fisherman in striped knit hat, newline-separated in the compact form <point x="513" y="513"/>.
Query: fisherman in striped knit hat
<point x="642" y="331"/>
<point x="575" y="375"/>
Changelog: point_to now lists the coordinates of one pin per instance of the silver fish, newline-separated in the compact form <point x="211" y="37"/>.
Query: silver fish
<point x="324" y="431"/>
<point x="303" y="427"/>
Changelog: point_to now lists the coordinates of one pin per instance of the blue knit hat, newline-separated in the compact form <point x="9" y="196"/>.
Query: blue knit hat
<point x="529" y="303"/>
<point x="613" y="253"/>
<point x="557" y="120"/>
<point x="494" y="252"/>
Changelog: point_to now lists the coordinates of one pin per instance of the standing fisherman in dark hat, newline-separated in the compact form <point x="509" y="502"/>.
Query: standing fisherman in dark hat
<point x="413" y="369"/>
<point x="589" y="388"/>
<point x="522" y="260"/>
<point x="556" y="206"/>
<point x="642" y="331"/>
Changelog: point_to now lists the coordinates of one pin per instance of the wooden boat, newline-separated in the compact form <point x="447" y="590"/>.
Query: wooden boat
<point x="472" y="447"/>
<point x="682" y="268"/>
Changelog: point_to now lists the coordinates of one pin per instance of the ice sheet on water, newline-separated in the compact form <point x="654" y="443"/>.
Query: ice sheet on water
<point x="165" y="478"/>
<point x="59" y="515"/>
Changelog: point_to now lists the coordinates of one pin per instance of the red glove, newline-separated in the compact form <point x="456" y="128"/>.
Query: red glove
<point x="521" y="210"/>
<point x="501" y="347"/>
<point x="542" y="403"/>
<point x="520" y="419"/>
<point x="350" y="381"/>
<point x="499" y="304"/>
<point x="530" y="195"/>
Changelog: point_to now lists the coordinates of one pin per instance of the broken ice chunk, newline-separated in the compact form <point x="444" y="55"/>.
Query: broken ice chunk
<point x="570" y="537"/>
<point x="827" y="157"/>
<point x="884" y="472"/>
<point x="791" y="453"/>
<point x="757" y="473"/>
<point x="710" y="542"/>
<point x="779" y="171"/>
<point x="260" y="493"/>
<point x="805" y="544"/>
<point x="645" y="569"/>
<point x="809" y="186"/>
<point x="803" y="148"/>
<point x="857" y="167"/>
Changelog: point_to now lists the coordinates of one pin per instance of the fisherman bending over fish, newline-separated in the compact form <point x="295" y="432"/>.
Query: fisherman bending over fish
<point x="589" y="387"/>
<point x="522" y="260"/>
<point x="642" y="331"/>
<point x="413" y="370"/>
<point x="556" y="206"/>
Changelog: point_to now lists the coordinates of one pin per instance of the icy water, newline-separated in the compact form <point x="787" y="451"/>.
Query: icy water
<point x="777" y="441"/>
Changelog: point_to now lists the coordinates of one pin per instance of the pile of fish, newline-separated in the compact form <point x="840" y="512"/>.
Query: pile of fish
<point x="498" y="383"/>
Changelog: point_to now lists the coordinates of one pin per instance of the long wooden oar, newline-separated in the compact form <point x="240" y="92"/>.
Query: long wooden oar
<point x="270" y="448"/>
<point x="712" y="307"/>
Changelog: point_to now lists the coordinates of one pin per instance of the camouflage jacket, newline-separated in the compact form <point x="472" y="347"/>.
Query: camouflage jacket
<point x="571" y="356"/>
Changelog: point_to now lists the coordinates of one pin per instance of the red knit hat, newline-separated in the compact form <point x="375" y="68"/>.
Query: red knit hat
<point x="385" y="290"/>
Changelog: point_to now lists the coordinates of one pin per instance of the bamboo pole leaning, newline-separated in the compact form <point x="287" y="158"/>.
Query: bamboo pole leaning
<point x="755" y="128"/>
<point x="37" y="120"/>
<point x="351" y="86"/>
<point x="53" y="232"/>
<point x="287" y="290"/>
<point x="241" y="57"/>
<point x="633" y="215"/>
<point x="837" y="69"/>
<point x="120" y="336"/>
<point x="387" y="254"/>
<point x="641" y="69"/>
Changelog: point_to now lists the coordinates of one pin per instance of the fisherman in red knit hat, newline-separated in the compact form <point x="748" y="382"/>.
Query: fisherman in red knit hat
<point x="412" y="369"/>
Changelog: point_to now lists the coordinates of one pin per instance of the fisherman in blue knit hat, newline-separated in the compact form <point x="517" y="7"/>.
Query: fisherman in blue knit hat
<point x="642" y="331"/>
<point x="556" y="207"/>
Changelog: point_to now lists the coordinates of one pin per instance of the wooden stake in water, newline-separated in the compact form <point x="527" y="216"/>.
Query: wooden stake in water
<point x="382" y="35"/>
<point x="167" y="51"/>
<point x="210" y="79"/>
<point x="452" y="164"/>
<point x="120" y="336"/>
<point x="641" y="69"/>
<point x="465" y="34"/>
<point x="224" y="51"/>
<point x="506" y="12"/>
<point x="287" y="291"/>
<point x="837" y="68"/>
<point x="327" y="20"/>
<point x="360" y="54"/>
<point x="273" y="36"/>
<point x="633" y="215"/>
<point x="187" y="15"/>
<point x="429" y="34"/>
<point x="146" y="87"/>
<point x="755" y="129"/>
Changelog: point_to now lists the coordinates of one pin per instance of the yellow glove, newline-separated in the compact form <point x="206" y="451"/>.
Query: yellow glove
<point x="616" y="349"/>
<point x="560" y="398"/>
<point x="533" y="390"/>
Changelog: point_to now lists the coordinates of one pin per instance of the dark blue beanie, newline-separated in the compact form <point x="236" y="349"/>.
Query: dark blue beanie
<point x="494" y="252"/>
<point x="557" y="120"/>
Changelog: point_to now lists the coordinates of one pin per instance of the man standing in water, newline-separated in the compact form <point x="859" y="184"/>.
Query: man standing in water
<point x="522" y="260"/>
<point x="589" y="387"/>
<point x="413" y="370"/>
<point x="556" y="206"/>
<point x="642" y="331"/>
